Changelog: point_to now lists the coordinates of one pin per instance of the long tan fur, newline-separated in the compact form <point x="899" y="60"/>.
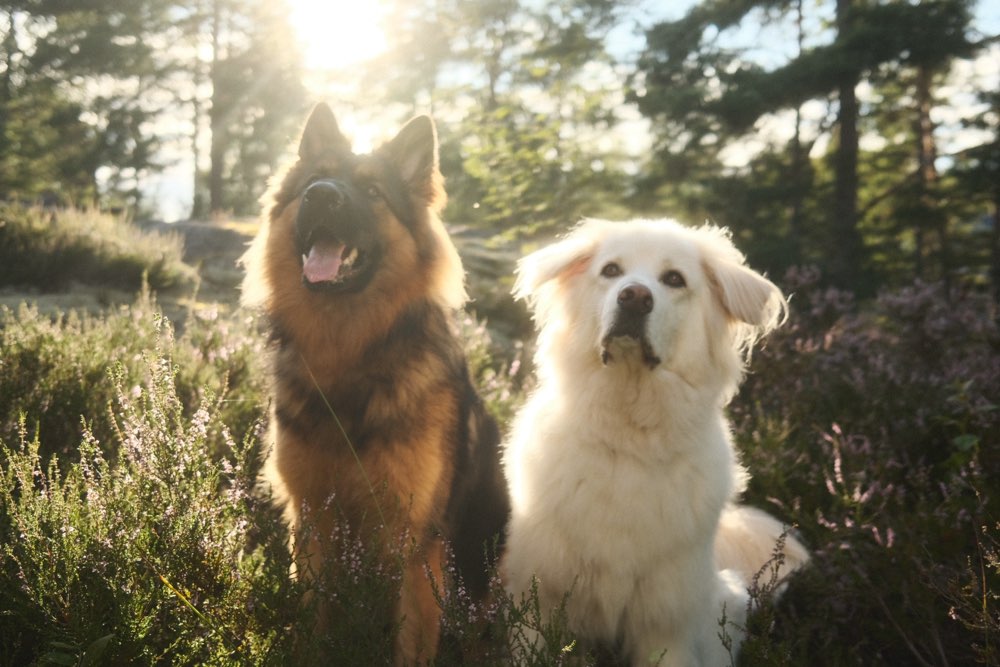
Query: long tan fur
<point x="372" y="420"/>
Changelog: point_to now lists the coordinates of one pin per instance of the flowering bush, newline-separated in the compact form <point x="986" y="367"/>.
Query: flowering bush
<point x="499" y="375"/>
<point x="147" y="557"/>
<point x="875" y="430"/>
<point x="55" y="372"/>
<point x="140" y="534"/>
<point x="872" y="427"/>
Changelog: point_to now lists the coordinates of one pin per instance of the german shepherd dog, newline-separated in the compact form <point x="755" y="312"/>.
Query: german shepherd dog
<point x="375" y="426"/>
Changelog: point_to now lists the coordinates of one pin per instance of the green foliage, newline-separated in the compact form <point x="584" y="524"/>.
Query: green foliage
<point x="55" y="373"/>
<point x="521" y="177"/>
<point x="868" y="217"/>
<point x="50" y="249"/>
<point x="30" y="125"/>
<point x="83" y="84"/>
<point x="147" y="557"/>
<point x="156" y="544"/>
<point x="52" y="51"/>
<point x="531" y="97"/>
<point x="874" y="429"/>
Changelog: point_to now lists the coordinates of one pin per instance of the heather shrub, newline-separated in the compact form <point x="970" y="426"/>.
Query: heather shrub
<point x="875" y="430"/>
<point x="168" y="553"/>
<point x="55" y="372"/>
<point x="50" y="249"/>
<point x="871" y="426"/>
<point x="145" y="558"/>
<point x="498" y="374"/>
<point x="361" y="591"/>
<point x="974" y="597"/>
<point x="153" y="542"/>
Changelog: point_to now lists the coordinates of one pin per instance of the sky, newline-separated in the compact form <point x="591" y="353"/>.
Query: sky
<point x="338" y="33"/>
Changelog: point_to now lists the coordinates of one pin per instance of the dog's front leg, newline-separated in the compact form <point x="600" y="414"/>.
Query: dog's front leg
<point x="419" y="612"/>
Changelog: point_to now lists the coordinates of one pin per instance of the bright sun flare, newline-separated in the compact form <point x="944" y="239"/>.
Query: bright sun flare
<point x="337" y="33"/>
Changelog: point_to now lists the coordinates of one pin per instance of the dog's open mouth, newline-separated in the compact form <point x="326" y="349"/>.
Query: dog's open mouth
<point x="333" y="264"/>
<point x="624" y="340"/>
<point x="335" y="233"/>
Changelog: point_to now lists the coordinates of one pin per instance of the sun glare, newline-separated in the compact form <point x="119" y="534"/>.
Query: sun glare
<point x="337" y="33"/>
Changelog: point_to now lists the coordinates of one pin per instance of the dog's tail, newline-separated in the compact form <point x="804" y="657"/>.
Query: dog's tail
<point x="748" y="542"/>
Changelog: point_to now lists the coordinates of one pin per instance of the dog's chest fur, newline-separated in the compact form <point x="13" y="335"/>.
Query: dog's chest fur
<point x="623" y="498"/>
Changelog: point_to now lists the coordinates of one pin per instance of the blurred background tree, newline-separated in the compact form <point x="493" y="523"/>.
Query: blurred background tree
<point x="257" y="95"/>
<point x="90" y="92"/>
<point x="527" y="93"/>
<point x="73" y="99"/>
<point x="856" y="135"/>
<point x="703" y="95"/>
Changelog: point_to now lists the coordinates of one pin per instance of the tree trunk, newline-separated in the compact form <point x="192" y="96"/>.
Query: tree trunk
<point x="197" y="111"/>
<point x="10" y="49"/>
<point x="847" y="263"/>
<point x="995" y="240"/>
<point x="799" y="177"/>
<point x="217" y="118"/>
<point x="197" y="198"/>
<point x="928" y="176"/>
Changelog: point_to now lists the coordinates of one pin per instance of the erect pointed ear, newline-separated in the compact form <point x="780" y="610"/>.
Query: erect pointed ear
<point x="322" y="135"/>
<point x="414" y="152"/>
<point x="561" y="260"/>
<point x="745" y="294"/>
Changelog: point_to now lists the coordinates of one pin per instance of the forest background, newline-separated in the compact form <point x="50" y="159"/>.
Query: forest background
<point x="858" y="136"/>
<point x="852" y="146"/>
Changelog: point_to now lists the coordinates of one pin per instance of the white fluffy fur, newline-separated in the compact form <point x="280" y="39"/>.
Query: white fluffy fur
<point x="622" y="476"/>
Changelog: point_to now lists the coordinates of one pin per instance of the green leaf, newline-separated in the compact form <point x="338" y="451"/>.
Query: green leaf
<point x="965" y="442"/>
<point x="96" y="650"/>
<point x="58" y="658"/>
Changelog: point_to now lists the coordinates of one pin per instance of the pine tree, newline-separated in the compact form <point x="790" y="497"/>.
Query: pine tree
<point x="703" y="96"/>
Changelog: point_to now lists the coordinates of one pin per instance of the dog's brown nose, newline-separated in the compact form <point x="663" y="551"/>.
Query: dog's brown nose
<point x="635" y="299"/>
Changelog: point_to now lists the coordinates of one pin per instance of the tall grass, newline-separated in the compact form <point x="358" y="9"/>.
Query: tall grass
<point x="54" y="372"/>
<point x="51" y="249"/>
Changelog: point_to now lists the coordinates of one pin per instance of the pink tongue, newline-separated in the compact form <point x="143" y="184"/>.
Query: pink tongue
<point x="323" y="261"/>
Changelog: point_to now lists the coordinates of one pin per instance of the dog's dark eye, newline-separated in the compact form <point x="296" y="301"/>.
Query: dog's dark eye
<point x="673" y="279"/>
<point x="611" y="270"/>
<point x="373" y="192"/>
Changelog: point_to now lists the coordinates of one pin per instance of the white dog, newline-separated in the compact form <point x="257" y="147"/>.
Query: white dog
<point x="620" y="464"/>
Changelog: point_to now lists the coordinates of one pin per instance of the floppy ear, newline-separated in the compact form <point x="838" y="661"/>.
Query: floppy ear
<point x="322" y="135"/>
<point x="746" y="295"/>
<point x="414" y="152"/>
<point x="565" y="258"/>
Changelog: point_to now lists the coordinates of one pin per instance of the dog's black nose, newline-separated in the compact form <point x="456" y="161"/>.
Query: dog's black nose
<point x="322" y="197"/>
<point x="635" y="299"/>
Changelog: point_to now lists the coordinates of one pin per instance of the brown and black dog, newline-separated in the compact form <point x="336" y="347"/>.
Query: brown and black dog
<point x="375" y="424"/>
